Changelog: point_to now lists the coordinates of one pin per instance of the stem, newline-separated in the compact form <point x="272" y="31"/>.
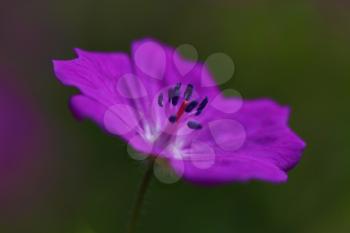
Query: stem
<point x="140" y="197"/>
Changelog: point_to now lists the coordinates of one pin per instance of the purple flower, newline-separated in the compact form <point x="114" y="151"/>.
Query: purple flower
<point x="166" y="106"/>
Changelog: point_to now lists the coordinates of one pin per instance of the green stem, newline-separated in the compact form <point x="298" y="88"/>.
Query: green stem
<point x="140" y="197"/>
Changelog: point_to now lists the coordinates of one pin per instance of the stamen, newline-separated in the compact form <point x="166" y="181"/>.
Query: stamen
<point x="186" y="105"/>
<point x="176" y="94"/>
<point x="171" y="93"/>
<point x="202" y="106"/>
<point x="194" y="125"/>
<point x="188" y="92"/>
<point x="160" y="100"/>
<point x="198" y="112"/>
<point x="191" y="106"/>
<point x="175" y="100"/>
<point x="172" y="119"/>
<point x="178" y="86"/>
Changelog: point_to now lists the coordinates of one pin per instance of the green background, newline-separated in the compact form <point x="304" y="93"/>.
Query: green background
<point x="296" y="52"/>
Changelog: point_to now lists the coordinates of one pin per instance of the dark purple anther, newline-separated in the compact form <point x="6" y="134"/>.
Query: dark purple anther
<point x="202" y="106"/>
<point x="171" y="93"/>
<point x="175" y="100"/>
<point x="194" y="125"/>
<point x="188" y="92"/>
<point x="191" y="106"/>
<point x="176" y="94"/>
<point x="177" y="87"/>
<point x="160" y="100"/>
<point x="172" y="119"/>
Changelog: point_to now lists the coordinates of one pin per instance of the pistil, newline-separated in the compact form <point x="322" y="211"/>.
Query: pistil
<point x="181" y="110"/>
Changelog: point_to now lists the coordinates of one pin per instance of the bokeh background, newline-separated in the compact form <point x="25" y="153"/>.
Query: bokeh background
<point x="60" y="176"/>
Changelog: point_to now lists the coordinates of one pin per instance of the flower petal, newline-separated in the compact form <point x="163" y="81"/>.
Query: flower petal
<point x="150" y="58"/>
<point x="118" y="119"/>
<point x="229" y="169"/>
<point x="95" y="74"/>
<point x="258" y="134"/>
<point x="84" y="107"/>
<point x="160" y="66"/>
<point x="100" y="76"/>
<point x="268" y="133"/>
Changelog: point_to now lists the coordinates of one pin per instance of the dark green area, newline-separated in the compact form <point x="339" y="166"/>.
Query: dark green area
<point x="296" y="52"/>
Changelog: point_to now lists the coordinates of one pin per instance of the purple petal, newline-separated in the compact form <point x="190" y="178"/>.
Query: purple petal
<point x="100" y="77"/>
<point x="85" y="107"/>
<point x="268" y="134"/>
<point x="95" y="74"/>
<point x="118" y="119"/>
<point x="150" y="58"/>
<point x="160" y="66"/>
<point x="255" y="143"/>
<point x="233" y="169"/>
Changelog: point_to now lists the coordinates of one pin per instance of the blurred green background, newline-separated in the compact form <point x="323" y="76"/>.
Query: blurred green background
<point x="81" y="180"/>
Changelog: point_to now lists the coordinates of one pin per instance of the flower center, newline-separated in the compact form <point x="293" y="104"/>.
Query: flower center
<point x="187" y="107"/>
